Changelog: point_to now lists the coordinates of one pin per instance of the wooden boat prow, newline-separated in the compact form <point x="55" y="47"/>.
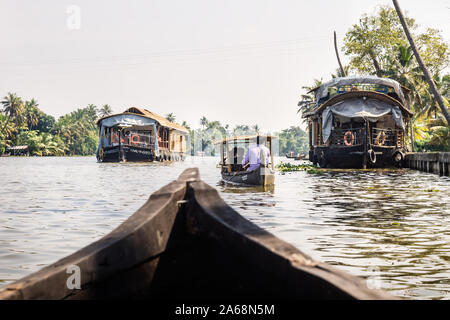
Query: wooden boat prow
<point x="186" y="242"/>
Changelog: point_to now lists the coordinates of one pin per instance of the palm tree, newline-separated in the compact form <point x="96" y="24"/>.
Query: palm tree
<point x="256" y="128"/>
<point x="422" y="65"/>
<point x="308" y="100"/>
<point x="403" y="69"/>
<point x="32" y="113"/>
<point x="186" y="125"/>
<point x="204" y="122"/>
<point x="339" y="74"/>
<point x="105" y="111"/>
<point x="171" y="117"/>
<point x="12" y="107"/>
<point x="431" y="108"/>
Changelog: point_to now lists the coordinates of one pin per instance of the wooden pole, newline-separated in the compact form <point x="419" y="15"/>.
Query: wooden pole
<point x="271" y="153"/>
<point x="120" y="145"/>
<point x="337" y="55"/>
<point x="366" y="142"/>
<point x="425" y="71"/>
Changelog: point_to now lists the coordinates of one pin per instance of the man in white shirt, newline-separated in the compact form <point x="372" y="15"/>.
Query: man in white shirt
<point x="255" y="154"/>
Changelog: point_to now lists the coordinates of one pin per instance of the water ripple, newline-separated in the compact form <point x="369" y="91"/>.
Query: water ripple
<point x="395" y="222"/>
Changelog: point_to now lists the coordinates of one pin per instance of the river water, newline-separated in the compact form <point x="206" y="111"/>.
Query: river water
<point x="388" y="226"/>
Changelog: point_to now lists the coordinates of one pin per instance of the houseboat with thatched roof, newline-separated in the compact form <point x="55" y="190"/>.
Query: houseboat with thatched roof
<point x="359" y="122"/>
<point x="138" y="134"/>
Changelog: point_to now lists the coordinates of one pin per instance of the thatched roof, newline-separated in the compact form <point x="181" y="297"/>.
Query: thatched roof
<point x="150" y="115"/>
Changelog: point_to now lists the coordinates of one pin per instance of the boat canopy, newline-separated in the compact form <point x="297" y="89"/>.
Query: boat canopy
<point x="134" y="116"/>
<point x="323" y="90"/>
<point x="126" y="120"/>
<point x="358" y="108"/>
<point x="244" y="138"/>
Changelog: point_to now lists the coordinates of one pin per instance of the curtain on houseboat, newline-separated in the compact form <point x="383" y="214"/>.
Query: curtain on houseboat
<point x="358" y="108"/>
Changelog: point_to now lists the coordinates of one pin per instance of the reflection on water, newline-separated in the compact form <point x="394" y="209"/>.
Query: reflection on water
<point x="392" y="225"/>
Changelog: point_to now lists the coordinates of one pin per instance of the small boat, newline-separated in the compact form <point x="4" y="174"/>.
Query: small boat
<point x="138" y="134"/>
<point x="291" y="155"/>
<point x="359" y="122"/>
<point x="185" y="242"/>
<point x="232" y="151"/>
<point x="296" y="157"/>
<point x="300" y="157"/>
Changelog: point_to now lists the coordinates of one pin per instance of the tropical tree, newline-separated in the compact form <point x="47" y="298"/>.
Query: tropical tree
<point x="373" y="42"/>
<point x="426" y="71"/>
<point x="13" y="108"/>
<point x="32" y="114"/>
<point x="203" y="122"/>
<point x="186" y="125"/>
<point x="171" y="117"/>
<point x="105" y="111"/>
<point x="241" y="130"/>
<point x="293" y="139"/>
<point x="308" y="99"/>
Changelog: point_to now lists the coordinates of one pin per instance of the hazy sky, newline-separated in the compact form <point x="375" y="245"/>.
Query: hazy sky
<point x="240" y="62"/>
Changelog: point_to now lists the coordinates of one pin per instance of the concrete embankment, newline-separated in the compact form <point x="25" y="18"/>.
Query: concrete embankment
<point x="433" y="162"/>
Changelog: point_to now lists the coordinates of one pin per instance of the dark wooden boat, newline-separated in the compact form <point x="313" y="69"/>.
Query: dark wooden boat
<point x="291" y="155"/>
<point x="260" y="177"/>
<point x="232" y="152"/>
<point x="295" y="157"/>
<point x="185" y="242"/>
<point x="300" y="157"/>
<point x="359" y="122"/>
<point x="138" y="134"/>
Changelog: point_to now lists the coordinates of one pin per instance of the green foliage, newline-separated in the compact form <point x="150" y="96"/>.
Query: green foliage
<point x="78" y="130"/>
<point x="374" y="39"/>
<point x="288" y="167"/>
<point x="202" y="139"/>
<point x="373" y="45"/>
<point x="293" y="139"/>
<point x="105" y="111"/>
<point x="377" y="45"/>
<point x="171" y="117"/>
<point x="23" y="123"/>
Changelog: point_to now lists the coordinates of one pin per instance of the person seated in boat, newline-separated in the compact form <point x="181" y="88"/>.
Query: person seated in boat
<point x="255" y="154"/>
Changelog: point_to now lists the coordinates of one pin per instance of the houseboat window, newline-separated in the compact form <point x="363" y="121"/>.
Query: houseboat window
<point x="163" y="137"/>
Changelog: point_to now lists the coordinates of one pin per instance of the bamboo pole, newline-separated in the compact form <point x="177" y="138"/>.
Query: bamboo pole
<point x="425" y="71"/>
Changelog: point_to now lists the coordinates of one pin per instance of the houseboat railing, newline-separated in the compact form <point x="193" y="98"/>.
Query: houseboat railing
<point x="342" y="137"/>
<point x="387" y="137"/>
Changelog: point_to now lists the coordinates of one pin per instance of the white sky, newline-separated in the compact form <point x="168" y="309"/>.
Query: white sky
<point x="239" y="62"/>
